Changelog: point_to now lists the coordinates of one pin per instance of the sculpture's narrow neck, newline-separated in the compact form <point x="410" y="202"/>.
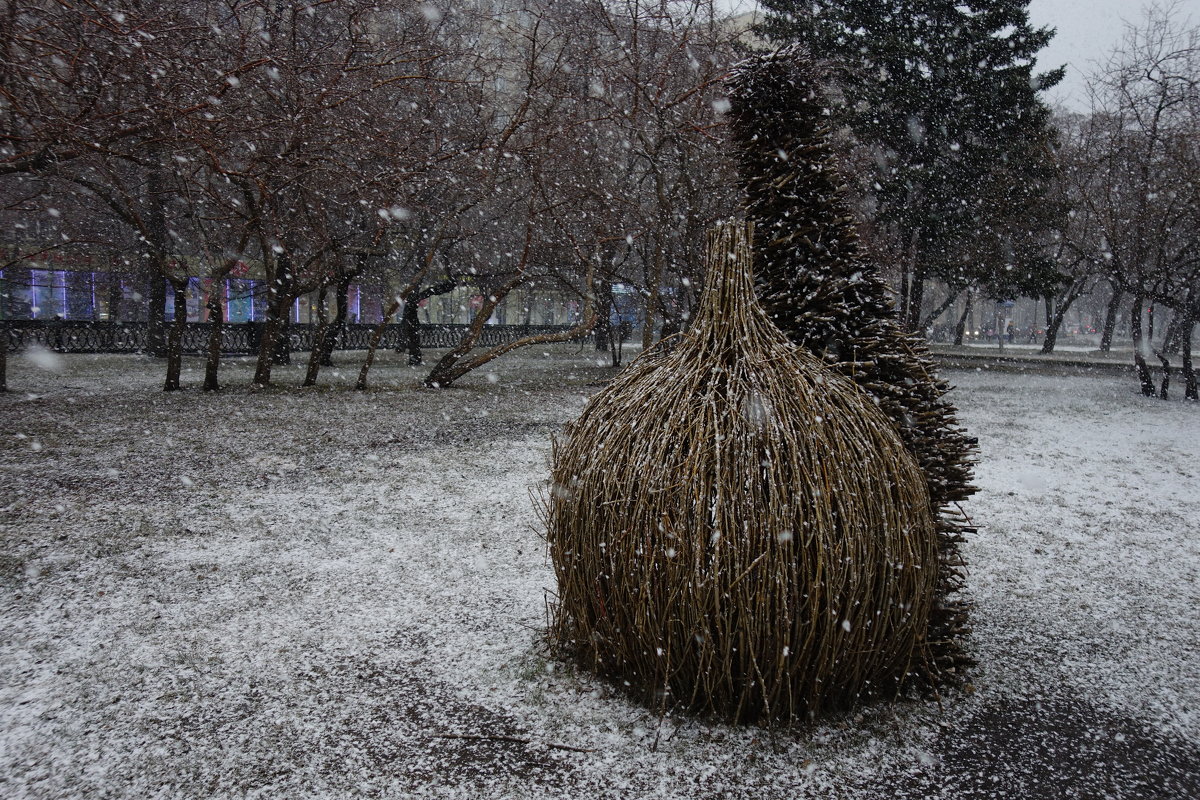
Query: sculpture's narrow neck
<point x="729" y="281"/>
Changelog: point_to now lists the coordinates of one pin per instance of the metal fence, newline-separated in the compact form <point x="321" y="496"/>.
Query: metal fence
<point x="69" y="336"/>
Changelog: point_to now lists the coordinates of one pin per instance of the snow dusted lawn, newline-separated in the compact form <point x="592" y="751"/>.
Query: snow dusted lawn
<point x="297" y="593"/>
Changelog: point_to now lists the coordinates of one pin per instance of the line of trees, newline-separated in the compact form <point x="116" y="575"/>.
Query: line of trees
<point x="971" y="187"/>
<point x="1131" y="174"/>
<point x="581" y="144"/>
<point x="571" y="144"/>
<point x="943" y="101"/>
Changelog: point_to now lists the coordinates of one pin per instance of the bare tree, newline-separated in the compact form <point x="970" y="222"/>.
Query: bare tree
<point x="1139" y="154"/>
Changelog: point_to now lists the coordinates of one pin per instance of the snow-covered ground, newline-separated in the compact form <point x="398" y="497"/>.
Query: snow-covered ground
<point x="311" y="592"/>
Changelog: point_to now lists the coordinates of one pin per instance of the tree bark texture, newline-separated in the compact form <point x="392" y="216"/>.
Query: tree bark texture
<point x="932" y="316"/>
<point x="266" y="348"/>
<point x="1110" y="320"/>
<point x="1139" y="360"/>
<point x="410" y="335"/>
<point x="212" y="364"/>
<point x="282" y="352"/>
<point x="1165" y="384"/>
<point x="1053" y="323"/>
<point x="604" y="318"/>
<point x="342" y="301"/>
<point x="175" y="337"/>
<point x="961" y="328"/>
<point x="278" y="302"/>
<point x="318" y="341"/>
<point x="1189" y="373"/>
<point x="1056" y="313"/>
<point x="3" y="355"/>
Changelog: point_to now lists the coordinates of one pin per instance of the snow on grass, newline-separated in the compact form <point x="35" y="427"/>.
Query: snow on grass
<point x="300" y="592"/>
<point x="1090" y="496"/>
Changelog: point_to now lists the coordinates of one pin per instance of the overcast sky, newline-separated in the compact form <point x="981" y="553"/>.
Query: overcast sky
<point x="1087" y="32"/>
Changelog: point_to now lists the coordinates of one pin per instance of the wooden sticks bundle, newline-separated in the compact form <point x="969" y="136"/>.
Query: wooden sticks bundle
<point x="735" y="528"/>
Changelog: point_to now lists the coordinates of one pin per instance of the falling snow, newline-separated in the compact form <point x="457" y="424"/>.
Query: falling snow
<point x="227" y="596"/>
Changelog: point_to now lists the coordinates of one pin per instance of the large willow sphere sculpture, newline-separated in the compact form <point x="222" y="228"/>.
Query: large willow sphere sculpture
<point x="735" y="528"/>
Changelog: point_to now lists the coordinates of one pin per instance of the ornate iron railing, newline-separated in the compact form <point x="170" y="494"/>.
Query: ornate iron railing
<point x="69" y="336"/>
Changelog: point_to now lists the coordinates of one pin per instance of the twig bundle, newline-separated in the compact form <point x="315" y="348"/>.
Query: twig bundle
<point x="821" y="291"/>
<point x="735" y="528"/>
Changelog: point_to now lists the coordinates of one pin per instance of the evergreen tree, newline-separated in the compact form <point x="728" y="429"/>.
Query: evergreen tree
<point x="826" y="298"/>
<point x="946" y="94"/>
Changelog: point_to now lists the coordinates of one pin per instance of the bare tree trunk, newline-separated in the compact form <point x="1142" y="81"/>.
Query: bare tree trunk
<point x="282" y="352"/>
<point x="336" y="335"/>
<point x="212" y="363"/>
<point x="652" y="295"/>
<point x="318" y="341"/>
<point x="1110" y="320"/>
<point x="961" y="328"/>
<point x="932" y="316"/>
<point x="1174" y="335"/>
<point x="1054" y="320"/>
<point x="453" y="373"/>
<point x="410" y="335"/>
<point x="912" y="283"/>
<point x="266" y="347"/>
<point x="285" y="294"/>
<point x="446" y="371"/>
<point x="1189" y="374"/>
<point x="175" y="339"/>
<point x="279" y="299"/>
<point x="650" y="319"/>
<point x="917" y="291"/>
<point x="452" y="365"/>
<point x="616" y="336"/>
<point x="410" y="292"/>
<point x="376" y="337"/>
<point x="410" y="320"/>
<point x="604" y="333"/>
<point x="157" y="243"/>
<point x="1166" y="377"/>
<point x="1056" y="314"/>
<point x="4" y="355"/>
<point x="1139" y="360"/>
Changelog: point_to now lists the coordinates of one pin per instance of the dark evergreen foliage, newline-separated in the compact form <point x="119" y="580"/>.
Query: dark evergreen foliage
<point x="817" y="288"/>
<point x="946" y="94"/>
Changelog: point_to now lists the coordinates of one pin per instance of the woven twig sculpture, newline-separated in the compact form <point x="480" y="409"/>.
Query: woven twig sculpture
<point x="814" y="283"/>
<point x="737" y="529"/>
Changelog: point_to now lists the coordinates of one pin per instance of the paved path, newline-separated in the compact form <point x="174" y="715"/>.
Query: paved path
<point x="1030" y="357"/>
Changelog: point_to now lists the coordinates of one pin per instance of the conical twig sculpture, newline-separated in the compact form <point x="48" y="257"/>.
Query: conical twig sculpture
<point x="735" y="528"/>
